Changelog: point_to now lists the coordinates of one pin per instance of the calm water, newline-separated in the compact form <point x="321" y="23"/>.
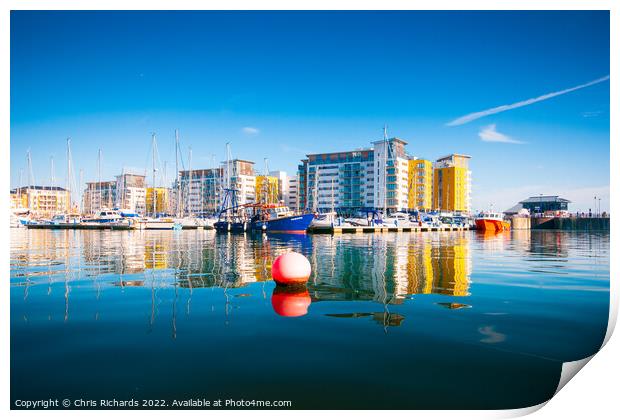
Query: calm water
<point x="426" y="320"/>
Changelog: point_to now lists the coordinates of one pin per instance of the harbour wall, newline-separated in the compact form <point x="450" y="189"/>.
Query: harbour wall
<point x="569" y="223"/>
<point x="520" y="223"/>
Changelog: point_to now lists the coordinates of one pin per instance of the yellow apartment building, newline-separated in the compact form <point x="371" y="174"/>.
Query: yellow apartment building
<point x="420" y="184"/>
<point x="161" y="196"/>
<point x="267" y="189"/>
<point x="452" y="183"/>
<point x="41" y="201"/>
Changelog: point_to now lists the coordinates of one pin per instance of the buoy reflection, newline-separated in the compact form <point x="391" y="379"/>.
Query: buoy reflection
<point x="290" y="301"/>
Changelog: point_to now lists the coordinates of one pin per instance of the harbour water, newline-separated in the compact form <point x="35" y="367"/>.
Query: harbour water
<point x="396" y="320"/>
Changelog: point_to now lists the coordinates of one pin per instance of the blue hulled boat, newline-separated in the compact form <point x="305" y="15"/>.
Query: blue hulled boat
<point x="279" y="219"/>
<point x="232" y="217"/>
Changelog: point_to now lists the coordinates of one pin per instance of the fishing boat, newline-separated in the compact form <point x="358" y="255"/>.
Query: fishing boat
<point x="232" y="217"/>
<point x="492" y="222"/>
<point x="278" y="218"/>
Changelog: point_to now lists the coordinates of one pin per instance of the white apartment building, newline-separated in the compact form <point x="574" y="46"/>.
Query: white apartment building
<point x="283" y="184"/>
<point x="368" y="178"/>
<point x="292" y="197"/>
<point x="131" y="192"/>
<point x="391" y="175"/>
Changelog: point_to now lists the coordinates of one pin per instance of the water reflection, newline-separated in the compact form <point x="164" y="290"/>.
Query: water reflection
<point x="387" y="268"/>
<point x="382" y="268"/>
<point x="290" y="301"/>
<point x="512" y="306"/>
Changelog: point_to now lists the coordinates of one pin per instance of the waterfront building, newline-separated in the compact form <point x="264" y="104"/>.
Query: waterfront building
<point x="131" y="192"/>
<point x="40" y="200"/>
<point x="242" y="178"/>
<point x="203" y="195"/>
<point x="375" y="178"/>
<point x="19" y="199"/>
<point x="540" y="204"/>
<point x="283" y="184"/>
<point x="267" y="189"/>
<point x="302" y="184"/>
<point x="342" y="180"/>
<point x="420" y="184"/>
<point x="158" y="200"/>
<point x="452" y="183"/>
<point x="98" y="195"/>
<point x="391" y="175"/>
<point x="292" y="197"/>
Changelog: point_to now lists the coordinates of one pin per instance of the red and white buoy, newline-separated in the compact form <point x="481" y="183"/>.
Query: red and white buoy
<point x="290" y="269"/>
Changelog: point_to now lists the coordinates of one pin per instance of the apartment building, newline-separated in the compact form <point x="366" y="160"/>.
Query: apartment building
<point x="452" y="183"/>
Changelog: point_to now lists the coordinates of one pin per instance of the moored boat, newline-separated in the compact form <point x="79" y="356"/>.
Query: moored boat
<point x="492" y="222"/>
<point x="279" y="219"/>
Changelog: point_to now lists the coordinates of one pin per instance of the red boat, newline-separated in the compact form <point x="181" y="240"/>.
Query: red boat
<point x="492" y="222"/>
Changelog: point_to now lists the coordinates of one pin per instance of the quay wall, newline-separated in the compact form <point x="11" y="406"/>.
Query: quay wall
<point x="570" y="223"/>
<point x="520" y="223"/>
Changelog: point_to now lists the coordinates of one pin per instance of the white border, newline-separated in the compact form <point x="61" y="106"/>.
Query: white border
<point x="593" y="394"/>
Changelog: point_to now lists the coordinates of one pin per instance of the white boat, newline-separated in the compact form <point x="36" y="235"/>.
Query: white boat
<point x="329" y="219"/>
<point x="429" y="221"/>
<point x="20" y="217"/>
<point x="109" y="218"/>
<point x="365" y="219"/>
<point x="195" y="222"/>
<point x="209" y="222"/>
<point x="397" y="219"/>
<point x="64" y="219"/>
<point x="164" y="223"/>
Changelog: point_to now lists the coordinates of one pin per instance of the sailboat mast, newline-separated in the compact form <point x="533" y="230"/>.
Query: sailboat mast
<point x="177" y="187"/>
<point x="19" y="188"/>
<point x="69" y="170"/>
<point x="99" y="191"/>
<point x="385" y="152"/>
<point x="154" y="170"/>
<point x="189" y="192"/>
<point x="81" y="205"/>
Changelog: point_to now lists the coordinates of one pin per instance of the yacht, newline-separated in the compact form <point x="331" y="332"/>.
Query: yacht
<point x="398" y="219"/>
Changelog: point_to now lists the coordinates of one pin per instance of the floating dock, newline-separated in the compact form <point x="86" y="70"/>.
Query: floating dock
<point x="80" y="226"/>
<point x="379" y="229"/>
<point x="66" y="226"/>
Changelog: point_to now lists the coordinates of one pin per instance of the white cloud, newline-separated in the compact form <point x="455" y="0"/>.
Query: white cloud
<point x="475" y="115"/>
<point x="250" y="130"/>
<point x="490" y="134"/>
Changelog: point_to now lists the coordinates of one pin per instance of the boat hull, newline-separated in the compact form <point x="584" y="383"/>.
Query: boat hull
<point x="491" y="225"/>
<point x="224" y="227"/>
<point x="156" y="225"/>
<point x="287" y="224"/>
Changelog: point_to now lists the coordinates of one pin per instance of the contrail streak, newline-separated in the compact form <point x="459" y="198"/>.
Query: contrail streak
<point x="474" y="116"/>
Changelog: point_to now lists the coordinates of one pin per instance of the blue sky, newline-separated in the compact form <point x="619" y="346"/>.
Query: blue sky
<point x="283" y="84"/>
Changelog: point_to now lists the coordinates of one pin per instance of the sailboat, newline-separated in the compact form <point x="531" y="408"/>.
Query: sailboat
<point x="232" y="217"/>
<point x="154" y="222"/>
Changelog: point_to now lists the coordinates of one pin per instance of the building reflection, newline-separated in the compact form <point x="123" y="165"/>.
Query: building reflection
<point x="386" y="268"/>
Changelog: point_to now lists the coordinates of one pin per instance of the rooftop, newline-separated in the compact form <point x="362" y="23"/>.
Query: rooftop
<point x="366" y="149"/>
<point x="38" y="187"/>
<point x="453" y="155"/>
<point x="396" y="139"/>
<point x="545" y="198"/>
